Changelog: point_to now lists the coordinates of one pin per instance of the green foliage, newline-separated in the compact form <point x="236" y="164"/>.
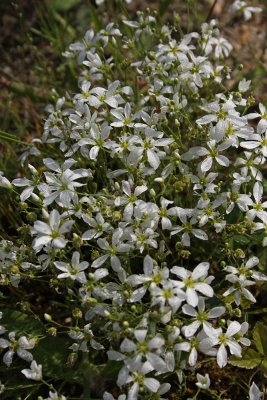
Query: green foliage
<point x="254" y="358"/>
<point x="62" y="6"/>
<point x="251" y="359"/>
<point x="21" y="323"/>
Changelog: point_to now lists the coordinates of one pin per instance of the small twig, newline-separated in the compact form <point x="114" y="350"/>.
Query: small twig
<point x="211" y="10"/>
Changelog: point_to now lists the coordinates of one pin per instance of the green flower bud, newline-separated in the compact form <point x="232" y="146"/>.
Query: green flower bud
<point x="52" y="331"/>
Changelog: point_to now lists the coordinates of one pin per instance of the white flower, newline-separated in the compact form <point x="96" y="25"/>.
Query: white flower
<point x="217" y="337"/>
<point x="136" y="375"/>
<point x="61" y="185"/>
<point x="74" y="270"/>
<point x="30" y="184"/>
<point x="111" y="250"/>
<point x="203" y="382"/>
<point x="152" y="274"/>
<point x="98" y="224"/>
<point x="240" y="277"/>
<point x="108" y="396"/>
<point x="254" y="392"/>
<point x="242" y="6"/>
<point x="250" y="165"/>
<point x="55" y="396"/>
<point x="222" y="112"/>
<point x="212" y="153"/>
<point x="188" y="229"/>
<point x="164" y="213"/>
<point x="4" y="182"/>
<point x="98" y="139"/>
<point x="258" y="207"/>
<point x="244" y="85"/>
<point x="106" y="96"/>
<point x="2" y="328"/>
<point x="200" y="317"/>
<point x="2" y="388"/>
<point x="34" y="373"/>
<point x="124" y="116"/>
<point x="262" y="225"/>
<point x="20" y="347"/>
<point x="169" y="294"/>
<point x="83" y="337"/>
<point x="193" y="282"/>
<point x="191" y="346"/>
<point x="129" y="198"/>
<point x="51" y="233"/>
<point x="222" y="47"/>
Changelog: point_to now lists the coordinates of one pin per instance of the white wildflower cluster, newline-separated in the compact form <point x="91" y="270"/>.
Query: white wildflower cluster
<point x="247" y="10"/>
<point x="149" y="180"/>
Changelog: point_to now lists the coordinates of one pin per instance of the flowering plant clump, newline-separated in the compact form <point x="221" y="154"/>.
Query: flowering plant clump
<point x="141" y="204"/>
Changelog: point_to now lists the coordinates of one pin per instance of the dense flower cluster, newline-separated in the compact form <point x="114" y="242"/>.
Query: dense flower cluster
<point x="148" y="180"/>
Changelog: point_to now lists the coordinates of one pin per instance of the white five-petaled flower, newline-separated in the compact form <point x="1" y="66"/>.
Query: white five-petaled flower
<point x="98" y="227"/>
<point x="98" y="140"/>
<point x="111" y="250"/>
<point x="187" y="228"/>
<point x="212" y="153"/>
<point x="258" y="207"/>
<point x="167" y="295"/>
<point x="194" y="281"/>
<point x="152" y="274"/>
<point x="124" y="116"/>
<point x="240" y="277"/>
<point x="17" y="346"/>
<point x="73" y="270"/>
<point x="217" y="337"/>
<point x="200" y="316"/>
<point x="129" y="198"/>
<point x="51" y="232"/>
<point x="135" y="373"/>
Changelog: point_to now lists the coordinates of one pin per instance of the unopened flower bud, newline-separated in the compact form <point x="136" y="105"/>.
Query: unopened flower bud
<point x="125" y="324"/>
<point x="159" y="180"/>
<point x="47" y="317"/>
<point x="152" y="193"/>
<point x="237" y="313"/>
<point x="23" y="205"/>
<point x="107" y="313"/>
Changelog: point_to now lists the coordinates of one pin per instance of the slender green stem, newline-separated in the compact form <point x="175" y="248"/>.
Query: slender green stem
<point x="12" y="138"/>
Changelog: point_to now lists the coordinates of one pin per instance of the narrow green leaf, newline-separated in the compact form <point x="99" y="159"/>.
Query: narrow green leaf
<point x="259" y="311"/>
<point x="59" y="5"/>
<point x="264" y="366"/>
